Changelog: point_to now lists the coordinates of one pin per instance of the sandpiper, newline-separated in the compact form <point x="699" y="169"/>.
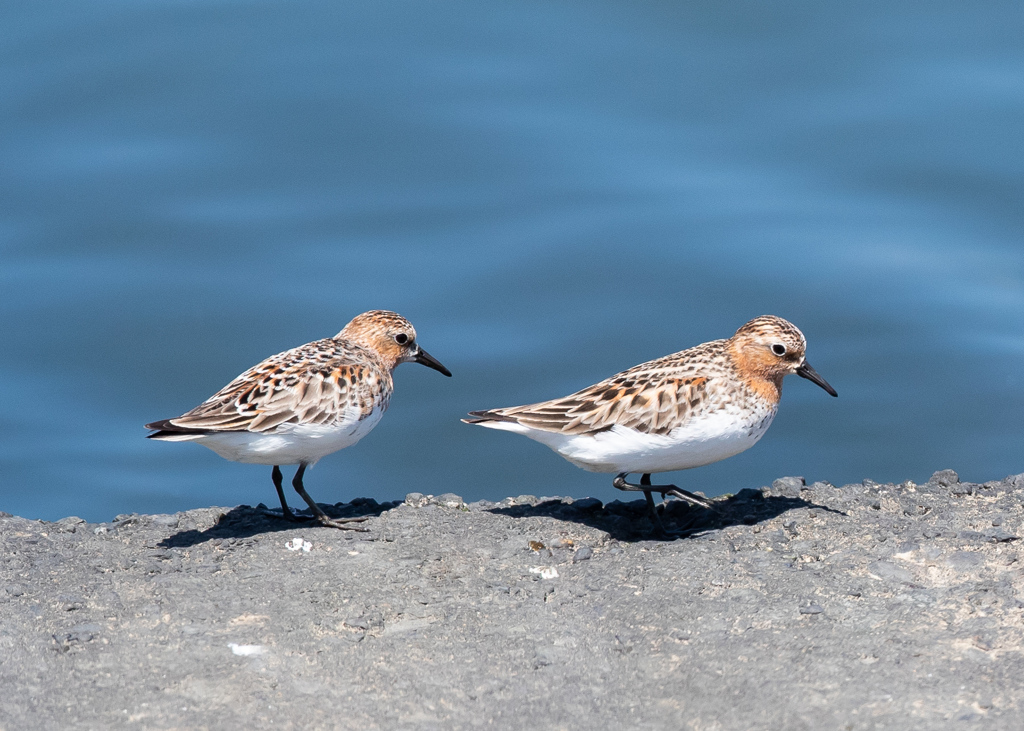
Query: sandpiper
<point x="305" y="403"/>
<point x="684" y="410"/>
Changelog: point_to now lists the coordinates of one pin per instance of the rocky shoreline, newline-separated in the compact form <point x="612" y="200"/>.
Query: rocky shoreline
<point x="794" y="606"/>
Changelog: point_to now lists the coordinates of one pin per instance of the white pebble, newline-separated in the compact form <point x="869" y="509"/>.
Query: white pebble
<point x="299" y="544"/>
<point x="247" y="650"/>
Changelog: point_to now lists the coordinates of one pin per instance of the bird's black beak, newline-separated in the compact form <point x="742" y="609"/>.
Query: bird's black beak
<point x="805" y="371"/>
<point x="430" y="361"/>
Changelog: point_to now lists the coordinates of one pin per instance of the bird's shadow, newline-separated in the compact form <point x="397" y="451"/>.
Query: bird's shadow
<point x="244" y="521"/>
<point x="630" y="522"/>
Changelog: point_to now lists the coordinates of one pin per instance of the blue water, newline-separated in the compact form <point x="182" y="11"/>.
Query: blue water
<point x="550" y="191"/>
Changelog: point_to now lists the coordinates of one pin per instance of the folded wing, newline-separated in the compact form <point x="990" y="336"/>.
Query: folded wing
<point x="649" y="405"/>
<point x="287" y="388"/>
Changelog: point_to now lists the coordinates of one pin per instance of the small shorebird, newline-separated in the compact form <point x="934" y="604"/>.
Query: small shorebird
<point x="684" y="410"/>
<point x="305" y="403"/>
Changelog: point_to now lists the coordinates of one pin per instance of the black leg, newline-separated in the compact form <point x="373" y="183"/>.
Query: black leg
<point x="647" y="488"/>
<point x="659" y="527"/>
<point x="278" y="478"/>
<point x="322" y="517"/>
<point x="286" y="512"/>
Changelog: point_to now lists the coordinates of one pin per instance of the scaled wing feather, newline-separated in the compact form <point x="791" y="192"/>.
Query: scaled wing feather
<point x="617" y="401"/>
<point x="276" y="392"/>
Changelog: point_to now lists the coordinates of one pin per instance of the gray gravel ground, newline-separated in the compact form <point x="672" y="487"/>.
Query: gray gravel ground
<point x="793" y="607"/>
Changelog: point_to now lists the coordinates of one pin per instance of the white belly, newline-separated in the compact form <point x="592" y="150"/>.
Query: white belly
<point x="289" y="443"/>
<point x="704" y="440"/>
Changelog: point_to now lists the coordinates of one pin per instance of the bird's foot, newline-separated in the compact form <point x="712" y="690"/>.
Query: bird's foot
<point x="647" y="488"/>
<point x="341" y="523"/>
<point x="687" y="496"/>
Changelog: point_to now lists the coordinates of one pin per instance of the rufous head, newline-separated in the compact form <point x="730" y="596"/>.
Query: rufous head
<point x="767" y="349"/>
<point x="391" y="336"/>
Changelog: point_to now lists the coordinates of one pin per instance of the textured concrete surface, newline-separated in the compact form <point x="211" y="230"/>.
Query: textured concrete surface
<point x="793" y="607"/>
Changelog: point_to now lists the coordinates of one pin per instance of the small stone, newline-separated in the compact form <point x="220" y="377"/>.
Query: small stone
<point x="945" y="478"/>
<point x="69" y="524"/>
<point x="246" y="650"/>
<point x="812" y="609"/>
<point x="583" y="554"/>
<point x="299" y="544"/>
<point x="618" y="507"/>
<point x="747" y="494"/>
<point x="587" y="505"/>
<point x="416" y="499"/>
<point x="525" y="500"/>
<point x="544" y="572"/>
<point x="449" y="500"/>
<point x="788" y="486"/>
<point x="783" y="482"/>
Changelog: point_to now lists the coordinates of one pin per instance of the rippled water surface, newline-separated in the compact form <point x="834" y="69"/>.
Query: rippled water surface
<point x="551" y="192"/>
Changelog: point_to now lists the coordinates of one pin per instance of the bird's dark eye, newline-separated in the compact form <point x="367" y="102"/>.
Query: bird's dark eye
<point x="779" y="349"/>
<point x="401" y="338"/>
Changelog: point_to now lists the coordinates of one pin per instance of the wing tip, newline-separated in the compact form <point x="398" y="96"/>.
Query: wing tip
<point x="480" y="417"/>
<point x="167" y="429"/>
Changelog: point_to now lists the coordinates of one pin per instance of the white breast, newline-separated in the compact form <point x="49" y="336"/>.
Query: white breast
<point x="709" y="438"/>
<point x="290" y="443"/>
